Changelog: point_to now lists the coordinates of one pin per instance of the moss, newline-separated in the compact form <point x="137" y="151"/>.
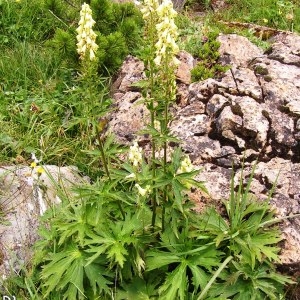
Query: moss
<point x="268" y="78"/>
<point x="261" y="70"/>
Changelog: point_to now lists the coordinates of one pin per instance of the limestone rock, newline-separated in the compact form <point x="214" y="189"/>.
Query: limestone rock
<point x="24" y="204"/>
<point x="255" y="125"/>
<point x="286" y="49"/>
<point x="237" y="50"/>
<point x="229" y="124"/>
<point x="131" y="71"/>
<point x="187" y="63"/>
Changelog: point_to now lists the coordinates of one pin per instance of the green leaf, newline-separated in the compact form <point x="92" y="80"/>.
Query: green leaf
<point x="98" y="282"/>
<point x="175" y="285"/>
<point x="156" y="260"/>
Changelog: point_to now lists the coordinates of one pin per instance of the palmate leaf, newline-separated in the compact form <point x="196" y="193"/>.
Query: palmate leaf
<point x="175" y="285"/>
<point x="189" y="261"/>
<point x="156" y="260"/>
<point x="113" y="239"/>
<point x="260" y="246"/>
<point x="65" y="272"/>
<point x="138" y="289"/>
<point x="95" y="274"/>
<point x="246" y="283"/>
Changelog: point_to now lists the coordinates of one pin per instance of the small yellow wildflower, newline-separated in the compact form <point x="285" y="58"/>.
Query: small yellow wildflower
<point x="265" y="20"/>
<point x="40" y="170"/>
<point x="86" y="36"/>
<point x="33" y="165"/>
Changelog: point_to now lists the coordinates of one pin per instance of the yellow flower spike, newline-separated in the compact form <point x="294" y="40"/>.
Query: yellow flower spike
<point x="167" y="32"/>
<point x="86" y="36"/>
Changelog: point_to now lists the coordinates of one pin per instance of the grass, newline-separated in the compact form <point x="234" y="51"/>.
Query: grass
<point x="44" y="109"/>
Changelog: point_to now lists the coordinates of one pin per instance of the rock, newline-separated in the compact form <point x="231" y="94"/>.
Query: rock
<point x="286" y="49"/>
<point x="129" y="117"/>
<point x="131" y="72"/>
<point x="255" y="125"/>
<point x="281" y="127"/>
<point x="229" y="124"/>
<point x="187" y="63"/>
<point x="247" y="83"/>
<point x="23" y="204"/>
<point x="217" y="180"/>
<point x="236" y="50"/>
<point x="216" y="104"/>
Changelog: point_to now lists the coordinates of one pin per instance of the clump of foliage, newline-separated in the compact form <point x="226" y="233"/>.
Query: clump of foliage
<point x="132" y="233"/>
<point x="208" y="56"/>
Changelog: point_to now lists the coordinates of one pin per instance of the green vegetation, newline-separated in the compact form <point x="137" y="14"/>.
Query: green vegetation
<point x="279" y="14"/>
<point x="208" y="56"/>
<point x="132" y="233"/>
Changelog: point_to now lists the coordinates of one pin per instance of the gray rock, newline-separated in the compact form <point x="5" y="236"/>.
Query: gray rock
<point x="131" y="72"/>
<point x="237" y="50"/>
<point x="187" y="63"/>
<point x="286" y="49"/>
<point x="255" y="125"/>
<point x="24" y="203"/>
<point x="129" y="117"/>
<point x="216" y="104"/>
<point x="229" y="124"/>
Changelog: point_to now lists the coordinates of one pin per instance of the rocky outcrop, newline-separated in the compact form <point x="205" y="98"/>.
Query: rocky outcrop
<point x="250" y="115"/>
<point x="23" y="201"/>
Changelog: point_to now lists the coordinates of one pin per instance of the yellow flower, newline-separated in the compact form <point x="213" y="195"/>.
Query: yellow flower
<point x="86" y="36"/>
<point x="143" y="192"/>
<point x="135" y="154"/>
<point x="265" y="20"/>
<point x="186" y="166"/>
<point x="148" y="9"/>
<point x="33" y="165"/>
<point x="40" y="170"/>
<point x="167" y="32"/>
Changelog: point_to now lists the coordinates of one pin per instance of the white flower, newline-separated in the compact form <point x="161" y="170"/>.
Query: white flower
<point x="132" y="175"/>
<point x="143" y="192"/>
<point x="167" y="33"/>
<point x="186" y="166"/>
<point x="86" y="36"/>
<point x="35" y="159"/>
<point x="135" y="154"/>
<point x="148" y="9"/>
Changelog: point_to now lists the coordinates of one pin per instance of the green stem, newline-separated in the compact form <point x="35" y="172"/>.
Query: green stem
<point x="209" y="284"/>
<point x="152" y="116"/>
<point x="104" y="162"/>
